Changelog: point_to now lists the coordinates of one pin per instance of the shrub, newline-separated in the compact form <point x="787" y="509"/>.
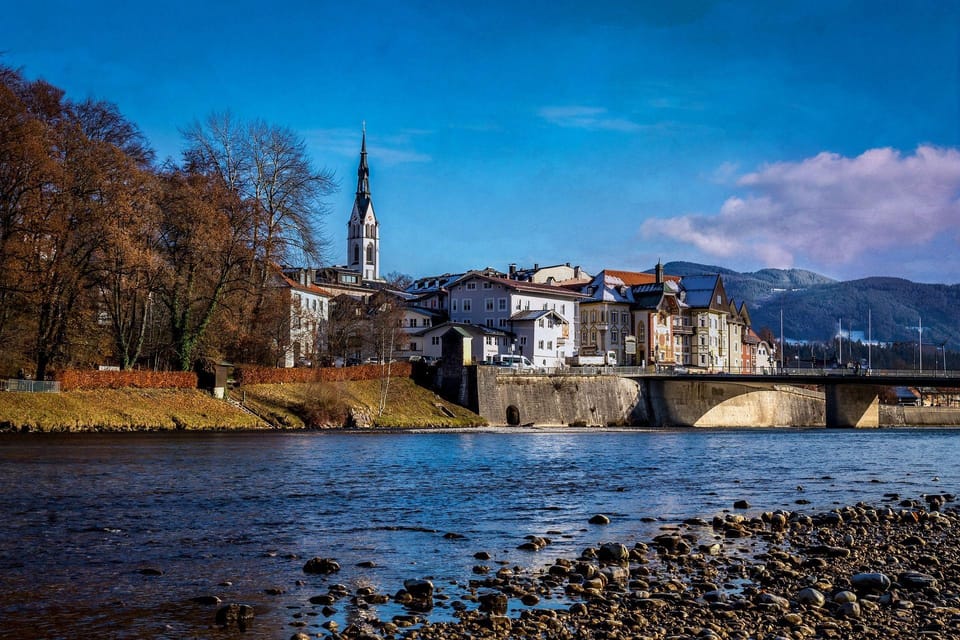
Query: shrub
<point x="324" y="407"/>
<point x="75" y="379"/>
<point x="248" y="374"/>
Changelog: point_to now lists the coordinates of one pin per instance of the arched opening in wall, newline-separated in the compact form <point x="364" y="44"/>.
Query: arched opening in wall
<point x="513" y="416"/>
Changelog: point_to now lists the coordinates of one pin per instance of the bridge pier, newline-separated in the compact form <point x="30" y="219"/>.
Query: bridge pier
<point x="852" y="406"/>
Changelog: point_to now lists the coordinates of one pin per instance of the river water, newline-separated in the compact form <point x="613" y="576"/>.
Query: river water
<point x="87" y="520"/>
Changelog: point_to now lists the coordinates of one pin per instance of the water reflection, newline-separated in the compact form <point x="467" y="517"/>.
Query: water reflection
<point x="236" y="514"/>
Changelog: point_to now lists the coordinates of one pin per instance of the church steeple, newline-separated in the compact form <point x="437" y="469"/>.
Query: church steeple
<point x="363" y="171"/>
<point x="363" y="230"/>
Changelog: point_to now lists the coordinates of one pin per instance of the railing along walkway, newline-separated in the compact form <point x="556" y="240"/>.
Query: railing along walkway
<point x="30" y="386"/>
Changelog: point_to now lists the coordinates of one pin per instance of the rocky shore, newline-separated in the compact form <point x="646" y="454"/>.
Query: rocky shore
<point x="860" y="571"/>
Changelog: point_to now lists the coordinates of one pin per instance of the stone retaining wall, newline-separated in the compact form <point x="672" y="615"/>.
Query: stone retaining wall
<point x="895" y="416"/>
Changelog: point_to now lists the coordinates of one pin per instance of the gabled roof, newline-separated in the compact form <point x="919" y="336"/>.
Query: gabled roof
<point x="310" y="288"/>
<point x="535" y="314"/>
<point x="631" y="278"/>
<point x="430" y="313"/>
<point x="463" y="328"/>
<point x="702" y="292"/>
<point x="526" y="287"/>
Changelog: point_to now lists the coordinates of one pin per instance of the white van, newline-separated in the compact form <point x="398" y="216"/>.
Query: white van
<point x="520" y="363"/>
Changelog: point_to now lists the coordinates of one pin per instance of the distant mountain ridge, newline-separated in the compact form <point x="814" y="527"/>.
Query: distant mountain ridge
<point x="812" y="304"/>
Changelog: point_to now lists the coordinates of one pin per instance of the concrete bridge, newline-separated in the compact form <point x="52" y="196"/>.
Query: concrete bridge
<point x="851" y="395"/>
<point x="606" y="395"/>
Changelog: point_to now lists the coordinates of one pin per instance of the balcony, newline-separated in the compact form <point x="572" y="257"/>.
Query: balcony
<point x="682" y="328"/>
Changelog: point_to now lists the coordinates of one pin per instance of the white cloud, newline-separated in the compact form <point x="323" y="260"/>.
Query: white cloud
<point x="831" y="211"/>
<point x="590" y="118"/>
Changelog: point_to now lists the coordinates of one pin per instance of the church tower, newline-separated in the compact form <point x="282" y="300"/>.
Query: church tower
<point x="363" y="230"/>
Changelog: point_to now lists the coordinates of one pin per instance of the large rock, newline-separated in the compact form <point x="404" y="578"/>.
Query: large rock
<point x="811" y="597"/>
<point x="321" y="565"/>
<point x="913" y="580"/>
<point x="494" y="603"/>
<point x="870" y="582"/>
<point x="234" y="614"/>
<point x="613" y="552"/>
<point x="419" y="589"/>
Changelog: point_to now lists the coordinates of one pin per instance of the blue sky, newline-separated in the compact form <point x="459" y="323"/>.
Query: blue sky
<point x="817" y="135"/>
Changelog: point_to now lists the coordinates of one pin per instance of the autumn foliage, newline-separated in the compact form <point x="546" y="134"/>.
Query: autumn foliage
<point x="76" y="379"/>
<point x="264" y="375"/>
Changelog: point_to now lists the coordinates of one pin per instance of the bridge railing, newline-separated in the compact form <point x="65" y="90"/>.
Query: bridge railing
<point x="933" y="375"/>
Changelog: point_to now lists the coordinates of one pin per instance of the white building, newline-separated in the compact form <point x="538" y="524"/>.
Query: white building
<point x="503" y="304"/>
<point x="486" y="344"/>
<point x="309" y="307"/>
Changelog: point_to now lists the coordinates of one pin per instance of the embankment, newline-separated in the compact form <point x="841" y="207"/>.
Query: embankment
<point x="269" y="406"/>
<point x="894" y="416"/>
<point x="509" y="399"/>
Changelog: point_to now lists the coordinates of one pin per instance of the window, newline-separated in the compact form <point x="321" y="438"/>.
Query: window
<point x="426" y="322"/>
<point x="523" y="341"/>
<point x="490" y="322"/>
<point x="549" y="344"/>
<point x="471" y="285"/>
<point x="453" y="304"/>
<point x="413" y="346"/>
<point x="583" y="316"/>
<point x="593" y="316"/>
<point x="413" y="322"/>
<point x="526" y="306"/>
<point x="488" y="285"/>
<point x="603" y="316"/>
<point x="540" y="344"/>
<point x="614" y="317"/>
<point x="503" y="322"/>
<point x="488" y="304"/>
<point x="356" y="253"/>
<point x="502" y="304"/>
<point x="466" y="305"/>
<point x="541" y="323"/>
<point x="614" y="337"/>
<point x="369" y="253"/>
<point x="435" y="340"/>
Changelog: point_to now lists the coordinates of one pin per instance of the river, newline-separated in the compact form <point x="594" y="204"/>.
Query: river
<point x="113" y="535"/>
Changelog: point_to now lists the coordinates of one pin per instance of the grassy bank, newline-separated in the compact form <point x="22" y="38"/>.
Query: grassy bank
<point x="120" y="410"/>
<point x="287" y="406"/>
<point x="334" y="404"/>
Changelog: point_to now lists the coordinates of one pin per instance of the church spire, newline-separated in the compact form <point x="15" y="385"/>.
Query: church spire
<point x="363" y="171"/>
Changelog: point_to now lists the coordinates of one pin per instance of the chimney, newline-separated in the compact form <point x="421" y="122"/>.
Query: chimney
<point x="536" y="266"/>
<point x="659" y="271"/>
<point x="513" y="269"/>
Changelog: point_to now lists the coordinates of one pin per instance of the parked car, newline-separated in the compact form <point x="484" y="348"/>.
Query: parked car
<point x="519" y="363"/>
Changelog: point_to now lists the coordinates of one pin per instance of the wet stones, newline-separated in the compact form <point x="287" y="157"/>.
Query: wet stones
<point x="534" y="543"/>
<point x="811" y="597"/>
<point x="494" y="603"/>
<point x="599" y="519"/>
<point x="915" y="581"/>
<point x="235" y="614"/>
<point x="870" y="582"/>
<point x="416" y="594"/>
<point x="323" y="566"/>
<point x="613" y="552"/>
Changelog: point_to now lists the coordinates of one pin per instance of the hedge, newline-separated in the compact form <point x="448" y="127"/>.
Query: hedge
<point x="248" y="374"/>
<point x="75" y="379"/>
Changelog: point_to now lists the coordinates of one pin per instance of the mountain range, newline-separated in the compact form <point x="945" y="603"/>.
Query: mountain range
<point x="814" y="306"/>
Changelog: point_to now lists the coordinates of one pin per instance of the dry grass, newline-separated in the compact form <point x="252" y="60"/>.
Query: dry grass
<point x="120" y="410"/>
<point x="287" y="406"/>
<point x="408" y="405"/>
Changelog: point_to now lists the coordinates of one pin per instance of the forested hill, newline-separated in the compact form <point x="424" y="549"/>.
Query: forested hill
<point x="813" y="304"/>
